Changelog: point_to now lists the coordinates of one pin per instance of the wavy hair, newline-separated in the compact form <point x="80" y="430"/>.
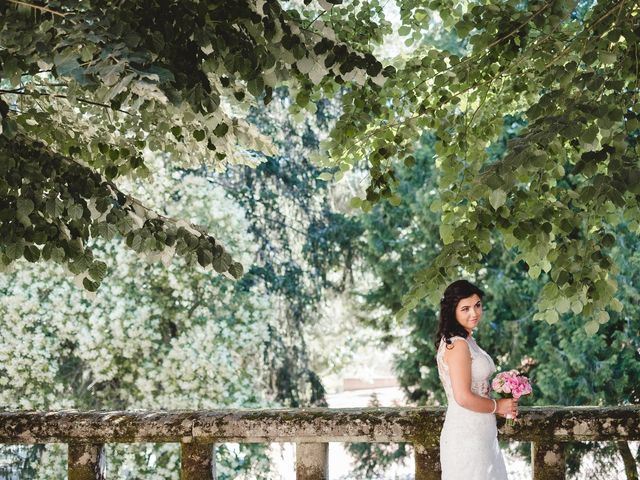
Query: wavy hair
<point x="448" y="326"/>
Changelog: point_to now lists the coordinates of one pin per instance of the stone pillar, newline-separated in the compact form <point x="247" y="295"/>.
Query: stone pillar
<point x="547" y="461"/>
<point x="86" y="461"/>
<point x="427" y="460"/>
<point x="312" y="461"/>
<point x="197" y="461"/>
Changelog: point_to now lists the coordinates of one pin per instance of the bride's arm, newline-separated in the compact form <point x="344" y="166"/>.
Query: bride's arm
<point x="458" y="360"/>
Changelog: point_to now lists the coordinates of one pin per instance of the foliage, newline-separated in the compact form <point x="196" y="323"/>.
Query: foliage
<point x="152" y="337"/>
<point x="529" y="169"/>
<point x="86" y="89"/>
<point x="178" y="75"/>
<point x="277" y="214"/>
<point x="301" y="240"/>
<point x="570" y="71"/>
<point x="567" y="365"/>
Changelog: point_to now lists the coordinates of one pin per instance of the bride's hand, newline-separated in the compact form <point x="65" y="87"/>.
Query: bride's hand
<point x="507" y="406"/>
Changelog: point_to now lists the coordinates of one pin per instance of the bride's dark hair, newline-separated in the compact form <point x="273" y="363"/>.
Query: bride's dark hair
<point x="448" y="326"/>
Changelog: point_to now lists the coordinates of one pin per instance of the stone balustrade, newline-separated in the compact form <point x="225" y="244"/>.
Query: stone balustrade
<point x="548" y="428"/>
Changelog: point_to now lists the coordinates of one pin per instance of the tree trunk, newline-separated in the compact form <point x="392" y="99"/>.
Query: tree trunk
<point x="630" y="467"/>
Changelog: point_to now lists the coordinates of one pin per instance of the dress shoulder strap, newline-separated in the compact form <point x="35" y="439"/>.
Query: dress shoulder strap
<point x="469" y="344"/>
<point x="453" y="339"/>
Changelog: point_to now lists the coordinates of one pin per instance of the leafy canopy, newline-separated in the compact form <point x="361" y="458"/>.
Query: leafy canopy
<point x="86" y="90"/>
<point x="152" y="337"/>
<point x="565" y="181"/>
<point x="567" y="364"/>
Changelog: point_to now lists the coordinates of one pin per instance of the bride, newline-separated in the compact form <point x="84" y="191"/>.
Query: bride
<point x="469" y="448"/>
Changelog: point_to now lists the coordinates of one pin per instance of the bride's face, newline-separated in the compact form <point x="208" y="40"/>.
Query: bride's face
<point x="469" y="312"/>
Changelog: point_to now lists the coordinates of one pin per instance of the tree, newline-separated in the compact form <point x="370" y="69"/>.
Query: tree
<point x="301" y="240"/>
<point x="570" y="176"/>
<point x="567" y="365"/>
<point x="187" y="323"/>
<point x="85" y="90"/>
<point x="153" y="337"/>
<point x="81" y="80"/>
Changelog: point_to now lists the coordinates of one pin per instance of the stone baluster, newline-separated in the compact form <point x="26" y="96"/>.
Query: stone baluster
<point x="86" y="461"/>
<point x="312" y="461"/>
<point x="427" y="458"/>
<point x="197" y="461"/>
<point x="547" y="461"/>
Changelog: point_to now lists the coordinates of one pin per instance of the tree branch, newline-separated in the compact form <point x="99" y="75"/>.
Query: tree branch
<point x="141" y="217"/>
<point x="628" y="460"/>
<point x="20" y="91"/>
<point x="38" y="7"/>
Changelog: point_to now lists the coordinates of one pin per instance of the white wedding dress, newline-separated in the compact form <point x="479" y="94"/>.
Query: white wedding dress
<point x="469" y="448"/>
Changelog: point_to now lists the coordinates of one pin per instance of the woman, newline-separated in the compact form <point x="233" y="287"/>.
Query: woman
<point x="469" y="448"/>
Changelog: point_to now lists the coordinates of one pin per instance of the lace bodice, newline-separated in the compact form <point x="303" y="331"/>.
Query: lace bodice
<point x="482" y="367"/>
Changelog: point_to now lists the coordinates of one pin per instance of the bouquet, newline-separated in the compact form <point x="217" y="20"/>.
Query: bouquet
<point x="511" y="384"/>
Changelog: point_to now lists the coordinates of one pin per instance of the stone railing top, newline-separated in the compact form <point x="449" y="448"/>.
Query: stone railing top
<point x="410" y="424"/>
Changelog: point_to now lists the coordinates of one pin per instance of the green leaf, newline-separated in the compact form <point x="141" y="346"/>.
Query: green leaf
<point x="221" y="130"/>
<point x="603" y="317"/>
<point x="607" y="57"/>
<point x="551" y="316"/>
<point x="589" y="135"/>
<point x="534" y="271"/>
<point x="149" y="244"/>
<point x="326" y="176"/>
<point x="75" y="211"/>
<point x="80" y="264"/>
<point x="13" y="251"/>
<point x="163" y="74"/>
<point x="134" y="241"/>
<point x="355" y="202"/>
<point x="23" y="219"/>
<point x="236" y="270"/>
<point x="436" y="205"/>
<point x="497" y="198"/>
<point x="395" y="200"/>
<point x="592" y="327"/>
<point x="199" y="135"/>
<point x="410" y="161"/>
<point x="57" y="254"/>
<point x="98" y="271"/>
<point x="111" y="172"/>
<point x="563" y="305"/>
<point x="608" y="240"/>
<point x="89" y="285"/>
<point x="205" y="257"/>
<point x="176" y="130"/>
<point x="576" y="307"/>
<point x="446" y="233"/>
<point x="222" y="262"/>
<point x="616" y="305"/>
<point x="105" y="230"/>
<point x="32" y="253"/>
<point x="125" y="225"/>
<point x="25" y="206"/>
<point x="66" y="62"/>
<point x="54" y="207"/>
<point x="302" y="98"/>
